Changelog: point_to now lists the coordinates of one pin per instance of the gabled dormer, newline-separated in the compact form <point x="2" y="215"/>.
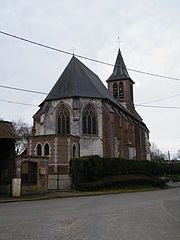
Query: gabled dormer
<point x="120" y="84"/>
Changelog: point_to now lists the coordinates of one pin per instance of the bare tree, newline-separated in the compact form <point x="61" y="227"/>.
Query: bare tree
<point x="23" y="130"/>
<point x="178" y="154"/>
<point x="156" y="154"/>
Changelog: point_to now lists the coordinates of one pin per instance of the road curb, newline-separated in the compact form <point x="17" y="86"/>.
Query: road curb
<point x="75" y="195"/>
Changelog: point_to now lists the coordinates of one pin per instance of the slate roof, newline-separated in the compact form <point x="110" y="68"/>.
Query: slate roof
<point x="78" y="81"/>
<point x="120" y="71"/>
<point x="6" y="130"/>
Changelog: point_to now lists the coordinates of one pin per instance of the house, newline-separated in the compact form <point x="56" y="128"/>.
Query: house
<point x="7" y="156"/>
<point x="80" y="117"/>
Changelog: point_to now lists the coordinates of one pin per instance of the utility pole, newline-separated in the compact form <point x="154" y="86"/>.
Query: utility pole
<point x="169" y="156"/>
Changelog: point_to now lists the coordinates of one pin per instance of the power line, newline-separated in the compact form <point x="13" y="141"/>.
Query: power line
<point x="44" y="93"/>
<point x="154" y="106"/>
<point x="20" y="103"/>
<point x="29" y="90"/>
<point x="161" y="99"/>
<point x="83" y="57"/>
<point x="65" y="52"/>
<point x="35" y="105"/>
<point x="52" y="48"/>
<point x="153" y="74"/>
<point x="23" y="90"/>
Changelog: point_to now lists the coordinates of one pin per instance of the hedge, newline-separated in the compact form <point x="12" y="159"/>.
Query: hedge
<point x="94" y="168"/>
<point x="124" y="181"/>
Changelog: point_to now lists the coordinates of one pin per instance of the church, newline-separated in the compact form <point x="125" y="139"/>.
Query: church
<point x="81" y="117"/>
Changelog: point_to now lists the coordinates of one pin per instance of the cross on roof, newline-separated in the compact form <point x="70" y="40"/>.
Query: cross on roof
<point x="119" y="41"/>
<point x="73" y="50"/>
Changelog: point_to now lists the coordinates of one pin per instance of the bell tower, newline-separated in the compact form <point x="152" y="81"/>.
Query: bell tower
<point x="120" y="84"/>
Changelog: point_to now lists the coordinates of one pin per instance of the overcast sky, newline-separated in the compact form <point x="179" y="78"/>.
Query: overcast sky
<point x="150" y="41"/>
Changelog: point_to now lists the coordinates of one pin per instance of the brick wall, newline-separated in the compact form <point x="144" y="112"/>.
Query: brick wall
<point x="127" y="101"/>
<point x="123" y="137"/>
<point x="117" y="134"/>
<point x="108" y="133"/>
<point x="60" y="150"/>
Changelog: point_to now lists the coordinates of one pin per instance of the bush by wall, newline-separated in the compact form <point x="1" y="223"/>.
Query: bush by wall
<point x="122" y="181"/>
<point x="91" y="169"/>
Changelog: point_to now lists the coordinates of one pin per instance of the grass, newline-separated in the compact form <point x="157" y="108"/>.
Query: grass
<point x="130" y="189"/>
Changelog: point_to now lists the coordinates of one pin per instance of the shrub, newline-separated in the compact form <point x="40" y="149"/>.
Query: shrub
<point x="124" y="181"/>
<point x="91" y="169"/>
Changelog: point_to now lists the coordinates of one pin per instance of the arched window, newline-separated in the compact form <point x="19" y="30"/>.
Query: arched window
<point x="89" y="122"/>
<point x="115" y="91"/>
<point x="39" y="150"/>
<point x="74" y="151"/>
<point x="46" y="149"/>
<point x="121" y="90"/>
<point x="63" y="120"/>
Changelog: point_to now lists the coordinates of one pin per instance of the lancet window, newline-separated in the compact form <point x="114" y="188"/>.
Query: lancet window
<point x="89" y="120"/>
<point x="39" y="150"/>
<point x="63" y="120"/>
<point x="46" y="149"/>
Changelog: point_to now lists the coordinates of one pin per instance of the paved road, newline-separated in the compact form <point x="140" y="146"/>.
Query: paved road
<point x="133" y="216"/>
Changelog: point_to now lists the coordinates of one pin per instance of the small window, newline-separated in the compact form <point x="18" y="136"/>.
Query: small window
<point x="115" y="91"/>
<point x="46" y="149"/>
<point x="121" y="90"/>
<point x="39" y="150"/>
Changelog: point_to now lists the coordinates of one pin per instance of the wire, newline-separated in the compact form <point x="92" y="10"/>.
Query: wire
<point x="44" y="93"/>
<point x="161" y="99"/>
<point x="23" y="90"/>
<point x="35" y="43"/>
<point x="52" y="48"/>
<point x="154" y="106"/>
<point x="20" y="103"/>
<point x="87" y="58"/>
<point x="153" y="74"/>
<point x="35" y="105"/>
<point x="29" y="91"/>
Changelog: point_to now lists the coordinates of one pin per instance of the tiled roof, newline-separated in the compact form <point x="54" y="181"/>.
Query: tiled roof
<point x="6" y="130"/>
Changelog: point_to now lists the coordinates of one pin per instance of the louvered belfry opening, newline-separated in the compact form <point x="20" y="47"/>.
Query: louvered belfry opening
<point x="121" y="90"/>
<point x="115" y="91"/>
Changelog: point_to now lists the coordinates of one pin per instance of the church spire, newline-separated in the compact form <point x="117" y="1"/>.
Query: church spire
<point x="120" y="71"/>
<point x="120" y="84"/>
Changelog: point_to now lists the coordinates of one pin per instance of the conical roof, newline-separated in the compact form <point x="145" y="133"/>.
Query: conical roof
<point x="120" y="71"/>
<point x="78" y="81"/>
